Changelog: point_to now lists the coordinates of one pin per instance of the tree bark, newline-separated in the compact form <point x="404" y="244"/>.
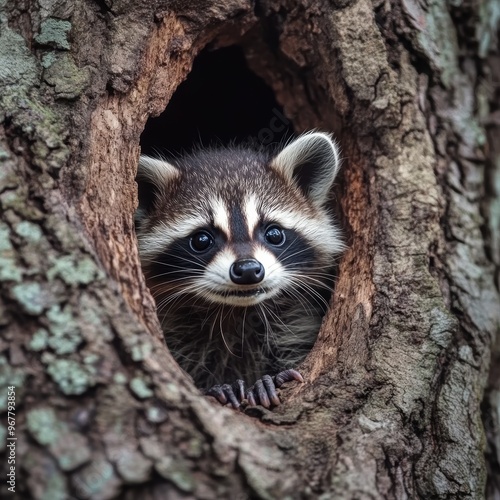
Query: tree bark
<point x="391" y="407"/>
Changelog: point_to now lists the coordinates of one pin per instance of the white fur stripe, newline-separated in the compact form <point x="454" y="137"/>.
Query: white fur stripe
<point x="250" y="212"/>
<point x="221" y="215"/>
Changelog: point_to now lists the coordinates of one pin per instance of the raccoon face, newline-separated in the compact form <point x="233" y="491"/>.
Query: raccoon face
<point x="236" y="226"/>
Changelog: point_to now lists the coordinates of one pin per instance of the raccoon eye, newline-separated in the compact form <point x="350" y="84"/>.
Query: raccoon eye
<point x="201" y="241"/>
<point x="275" y="235"/>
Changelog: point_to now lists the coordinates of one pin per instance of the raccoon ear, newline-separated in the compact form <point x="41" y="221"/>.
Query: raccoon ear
<point x="155" y="171"/>
<point x="312" y="162"/>
<point x="153" y="175"/>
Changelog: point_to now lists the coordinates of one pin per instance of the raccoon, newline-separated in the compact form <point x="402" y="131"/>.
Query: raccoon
<point x="237" y="245"/>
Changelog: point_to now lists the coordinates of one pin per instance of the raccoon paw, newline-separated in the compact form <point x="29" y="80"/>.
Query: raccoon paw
<point x="263" y="392"/>
<point x="226" y="393"/>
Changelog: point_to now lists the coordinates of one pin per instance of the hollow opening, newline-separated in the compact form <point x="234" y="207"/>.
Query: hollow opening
<point x="221" y="101"/>
<point x="224" y="100"/>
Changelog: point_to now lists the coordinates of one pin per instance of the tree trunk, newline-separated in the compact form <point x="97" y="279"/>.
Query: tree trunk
<point x="391" y="406"/>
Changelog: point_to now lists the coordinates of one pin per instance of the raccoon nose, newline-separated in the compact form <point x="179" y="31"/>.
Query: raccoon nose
<point x="246" y="272"/>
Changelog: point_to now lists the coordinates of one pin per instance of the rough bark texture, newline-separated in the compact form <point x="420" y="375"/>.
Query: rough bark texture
<point x="392" y="403"/>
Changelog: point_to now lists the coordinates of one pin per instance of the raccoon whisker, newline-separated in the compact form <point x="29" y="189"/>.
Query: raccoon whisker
<point x="173" y="282"/>
<point x="243" y="331"/>
<point x="177" y="295"/>
<point x="325" y="266"/>
<point x="169" y="302"/>
<point x="186" y="278"/>
<point x="300" y="300"/>
<point x="218" y="312"/>
<point x="287" y="247"/>
<point x="224" y="338"/>
<point x="208" y="315"/>
<point x="294" y="254"/>
<point x="169" y="264"/>
<point x="319" y="274"/>
<point x="321" y="283"/>
<point x="278" y="319"/>
<point x="269" y="333"/>
<point x="193" y="260"/>
<point x="303" y="264"/>
<point x="164" y="301"/>
<point x="293" y="287"/>
<point x="184" y="263"/>
<point x="200" y="292"/>
<point x="187" y="273"/>
<point x="309" y="290"/>
<point x="310" y="279"/>
<point x="168" y="288"/>
<point x="310" y="268"/>
<point x="262" y="314"/>
<point x="319" y="277"/>
<point x="281" y="260"/>
<point x="212" y="325"/>
<point x="204" y="295"/>
<point x="306" y="281"/>
<point x="310" y="283"/>
<point x="201" y="296"/>
<point x="266" y="309"/>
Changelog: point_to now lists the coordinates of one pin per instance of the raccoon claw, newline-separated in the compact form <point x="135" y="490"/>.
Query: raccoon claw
<point x="224" y="393"/>
<point x="261" y="390"/>
<point x="239" y="386"/>
<point x="251" y="398"/>
<point x="264" y="390"/>
<point x="287" y="376"/>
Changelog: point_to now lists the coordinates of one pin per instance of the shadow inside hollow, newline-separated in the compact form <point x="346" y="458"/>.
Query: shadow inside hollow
<point x="221" y="101"/>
